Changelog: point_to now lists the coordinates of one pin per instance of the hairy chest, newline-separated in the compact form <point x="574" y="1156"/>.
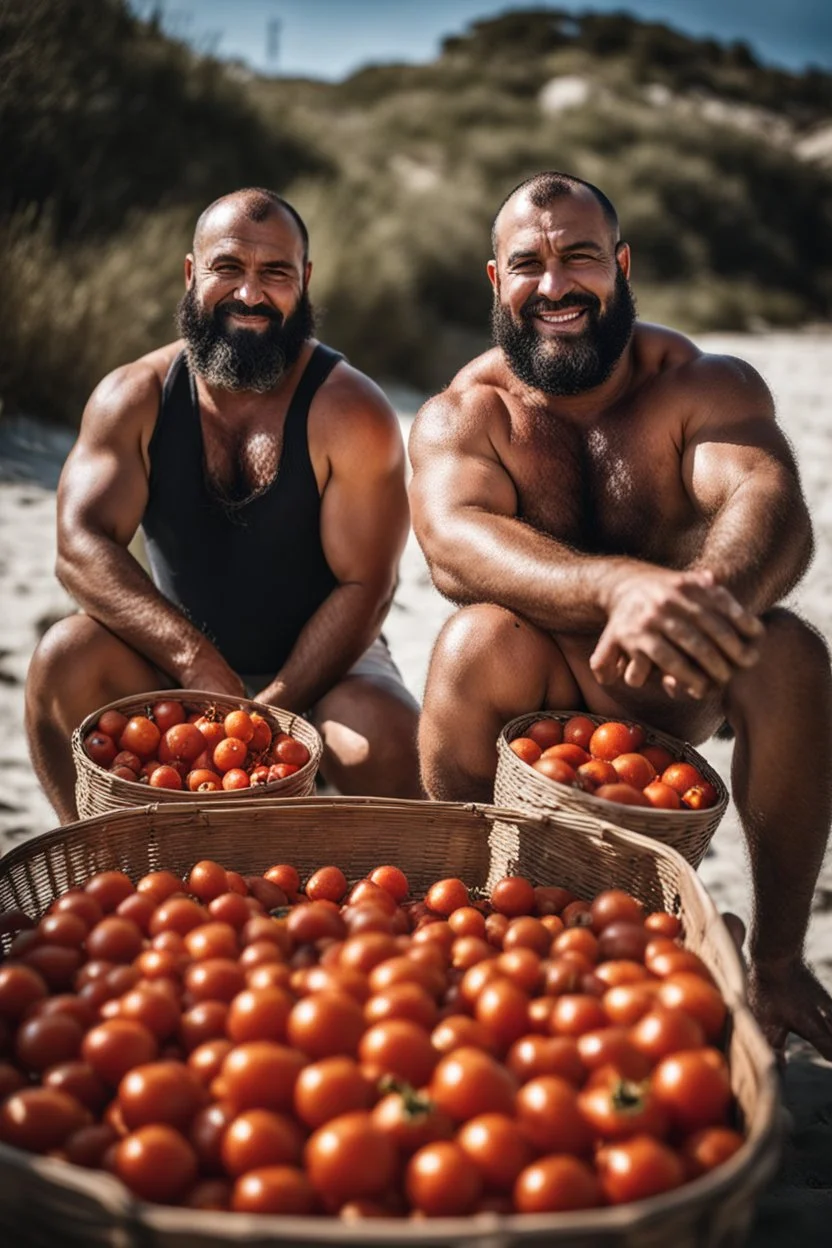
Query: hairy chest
<point x="243" y="461"/>
<point x="612" y="487"/>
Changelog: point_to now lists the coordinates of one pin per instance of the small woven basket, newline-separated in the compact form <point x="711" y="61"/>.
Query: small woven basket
<point x="44" y="1202"/>
<point x="519" y="786"/>
<point x="97" y="791"/>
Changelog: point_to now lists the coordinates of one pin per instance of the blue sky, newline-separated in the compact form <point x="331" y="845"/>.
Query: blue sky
<point x="332" y="38"/>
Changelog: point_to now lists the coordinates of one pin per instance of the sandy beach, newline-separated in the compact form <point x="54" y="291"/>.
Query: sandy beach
<point x="798" y="368"/>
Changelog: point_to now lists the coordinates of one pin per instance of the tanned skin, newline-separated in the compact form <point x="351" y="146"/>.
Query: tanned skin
<point x="622" y="551"/>
<point x="130" y="639"/>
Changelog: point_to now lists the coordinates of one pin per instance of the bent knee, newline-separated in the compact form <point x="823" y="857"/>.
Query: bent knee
<point x="71" y="639"/>
<point x="485" y="633"/>
<point x="787" y="634"/>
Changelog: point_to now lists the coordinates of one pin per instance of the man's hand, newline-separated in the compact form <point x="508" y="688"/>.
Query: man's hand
<point x="691" y="629"/>
<point x="211" y="673"/>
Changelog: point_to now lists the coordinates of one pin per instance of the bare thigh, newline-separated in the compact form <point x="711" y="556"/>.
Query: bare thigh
<point x="369" y="730"/>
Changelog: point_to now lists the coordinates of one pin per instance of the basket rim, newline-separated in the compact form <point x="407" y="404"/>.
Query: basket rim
<point x="600" y="805"/>
<point x="271" y="713"/>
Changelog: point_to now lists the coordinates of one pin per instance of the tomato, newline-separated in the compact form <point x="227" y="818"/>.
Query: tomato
<point x="533" y="1055"/>
<point x="157" y="886"/>
<point x="556" y="1185"/>
<point x="177" y="914"/>
<point x="393" y="880"/>
<point x="673" y="961"/>
<point x="634" y="769"/>
<point x="326" y="1024"/>
<point x="100" y="748"/>
<point x="576" y="914"/>
<point x="498" y="1148"/>
<point x="637" y="1168"/>
<point x="694" y="1086"/>
<point x="333" y="1086"/>
<point x="39" y="1119"/>
<point x="545" y="732"/>
<point x="165" y="777"/>
<point x="441" y="1180"/>
<point x="114" y="1047"/>
<point x="568" y="753"/>
<point x="622" y="941"/>
<point x="527" y="750"/>
<point x="662" y="796"/>
<point x="513" y="895"/>
<point x="112" y="724"/>
<point x="328" y="883"/>
<point x="403" y="1000"/>
<point x="230" y="753"/>
<point x="661" y="1032"/>
<point x="556" y="769"/>
<point x="141" y="736"/>
<point x="503" y="1009"/>
<point x="621" y="971"/>
<point x="411" y="1120"/>
<point x="261" y="1075"/>
<point x="618" y="1108"/>
<point x="156" y="1163"/>
<point x="165" y="1091"/>
<point x="550" y="899"/>
<point x="236" y="778"/>
<point x="576" y="940"/>
<point x="578" y="731"/>
<point x="273" y="1189"/>
<point x="466" y="921"/>
<point x="48" y="1039"/>
<point x="212" y="731"/>
<point x="203" y="1022"/>
<point x="624" y="794"/>
<point x="279" y="771"/>
<point x="291" y="752"/>
<point x="315" y="921"/>
<point x="660" y="923"/>
<point x="166" y="713"/>
<point x="681" y="777"/>
<point x="11" y="1080"/>
<point x="115" y="940"/>
<point x="519" y="963"/>
<point x="709" y="1148"/>
<point x="261" y="737"/>
<point x="625" y="1003"/>
<point x="701" y="1000"/>
<point x="154" y="1007"/>
<point x="285" y="876"/>
<point x="109" y="888"/>
<point x="459" y="1031"/>
<point x="448" y="895"/>
<point x="206" y="1059"/>
<point x="468" y="1081"/>
<point x="547" y="1109"/>
<point x="349" y="1157"/>
<point x="400" y="1048"/>
<point x="700" y="796"/>
<point x="215" y="979"/>
<point x="183" y="743"/>
<point x="596" y="772"/>
<point x="20" y="988"/>
<point x="259" y="1014"/>
<point x="84" y="905"/>
<point x="575" y="1013"/>
<point x="87" y="1146"/>
<point x="258" y="1138"/>
<point x="613" y="1046"/>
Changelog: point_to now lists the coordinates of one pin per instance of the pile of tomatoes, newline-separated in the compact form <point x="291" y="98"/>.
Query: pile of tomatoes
<point x="171" y="747"/>
<point x="611" y="761"/>
<point x="242" y="1044"/>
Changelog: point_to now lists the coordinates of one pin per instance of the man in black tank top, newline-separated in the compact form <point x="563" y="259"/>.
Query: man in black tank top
<point x="267" y="476"/>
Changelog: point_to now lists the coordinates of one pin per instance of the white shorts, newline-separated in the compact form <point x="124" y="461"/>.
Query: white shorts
<point x="376" y="665"/>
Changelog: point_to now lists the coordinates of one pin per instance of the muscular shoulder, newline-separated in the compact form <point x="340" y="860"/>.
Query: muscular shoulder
<point x="353" y="423"/>
<point x="471" y="411"/>
<point x="126" y="401"/>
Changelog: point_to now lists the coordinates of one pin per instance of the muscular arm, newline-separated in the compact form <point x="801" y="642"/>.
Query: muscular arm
<point x="364" y="523"/>
<point x="464" y="504"/>
<point x="739" y="470"/>
<point x="101" y="499"/>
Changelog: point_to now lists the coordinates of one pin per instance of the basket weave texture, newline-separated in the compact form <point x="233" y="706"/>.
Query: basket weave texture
<point x="519" y="786"/>
<point x="97" y="791"/>
<point x="45" y="1202"/>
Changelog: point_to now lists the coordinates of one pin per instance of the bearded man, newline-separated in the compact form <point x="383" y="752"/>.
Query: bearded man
<point x="618" y="515"/>
<point x="267" y="476"/>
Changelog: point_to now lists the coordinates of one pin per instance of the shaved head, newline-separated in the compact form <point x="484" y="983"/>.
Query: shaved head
<point x="255" y="203"/>
<point x="543" y="188"/>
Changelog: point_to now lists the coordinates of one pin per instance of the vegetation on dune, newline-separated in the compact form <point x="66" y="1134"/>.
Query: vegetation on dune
<point x="115" y="136"/>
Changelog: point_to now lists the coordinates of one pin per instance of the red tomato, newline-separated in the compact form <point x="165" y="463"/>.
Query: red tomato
<point x="349" y="1158"/>
<point x="662" y="796"/>
<point x="498" y="1148"/>
<point x="548" y="1111"/>
<point x="112" y="724"/>
<point x="258" y="1138"/>
<point x="617" y="1109"/>
<point x="624" y="794"/>
<point x="329" y="1088"/>
<point x="709" y="1148"/>
<point x="556" y="769"/>
<point x="166" y="1092"/>
<point x="291" y="751"/>
<point x="527" y="751"/>
<point x="156" y="1163"/>
<point x="411" y="1120"/>
<point x="441" y="1180"/>
<point x="141" y="736"/>
<point x="637" y="1168"/>
<point x="634" y="769"/>
<point x="694" y="1087"/>
<point x="399" y="1048"/>
<point x="165" y="777"/>
<point x="570" y="754"/>
<point x="578" y="731"/>
<point x="556" y="1185"/>
<point x="468" y="1081"/>
<point x="700" y="796"/>
<point x="611" y="739"/>
<point x="545" y="732"/>
<point x="681" y="777"/>
<point x="445" y="896"/>
<point x="273" y="1189"/>
<point x="392" y="880"/>
<point x="513" y="895"/>
<point x="39" y="1119"/>
<point x="100" y="748"/>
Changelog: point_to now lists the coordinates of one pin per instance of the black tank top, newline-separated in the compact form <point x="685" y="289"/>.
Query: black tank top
<point x="248" y="576"/>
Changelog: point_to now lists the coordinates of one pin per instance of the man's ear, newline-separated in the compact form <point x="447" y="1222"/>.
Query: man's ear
<point x="622" y="258"/>
<point x="307" y="273"/>
<point x="189" y="271"/>
<point x="491" y="270"/>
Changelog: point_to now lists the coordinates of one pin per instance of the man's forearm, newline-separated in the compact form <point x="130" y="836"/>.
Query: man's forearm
<point x="108" y="583"/>
<point x="499" y="559"/>
<point x="759" y="545"/>
<point x="334" y="638"/>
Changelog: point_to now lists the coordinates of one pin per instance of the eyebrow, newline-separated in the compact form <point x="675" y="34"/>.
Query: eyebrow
<point x="228" y="257"/>
<point x="584" y="245"/>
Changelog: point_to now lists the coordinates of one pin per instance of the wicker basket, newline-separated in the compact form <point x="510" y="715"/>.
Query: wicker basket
<point x="43" y="1202"/>
<point x="97" y="791"/>
<point x="519" y="786"/>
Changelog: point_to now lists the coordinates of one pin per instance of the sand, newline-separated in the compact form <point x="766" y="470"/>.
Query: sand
<point x="798" y="368"/>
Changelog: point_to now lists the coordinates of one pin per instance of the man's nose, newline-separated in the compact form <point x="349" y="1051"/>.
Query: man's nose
<point x="554" y="282"/>
<point x="249" y="291"/>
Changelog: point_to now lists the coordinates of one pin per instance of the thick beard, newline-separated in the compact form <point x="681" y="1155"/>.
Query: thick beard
<point x="237" y="358"/>
<point x="567" y="366"/>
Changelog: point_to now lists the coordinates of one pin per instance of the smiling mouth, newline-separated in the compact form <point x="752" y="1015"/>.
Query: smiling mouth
<point x="569" y="317"/>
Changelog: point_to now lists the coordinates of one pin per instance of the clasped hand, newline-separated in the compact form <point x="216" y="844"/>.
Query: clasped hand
<point x="693" y="631"/>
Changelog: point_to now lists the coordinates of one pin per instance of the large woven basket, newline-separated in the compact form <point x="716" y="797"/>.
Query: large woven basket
<point x="44" y="1202"/>
<point x="97" y="791"/>
<point x="521" y="787"/>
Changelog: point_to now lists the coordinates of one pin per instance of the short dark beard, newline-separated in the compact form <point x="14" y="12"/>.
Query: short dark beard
<point x="235" y="358"/>
<point x="567" y="365"/>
